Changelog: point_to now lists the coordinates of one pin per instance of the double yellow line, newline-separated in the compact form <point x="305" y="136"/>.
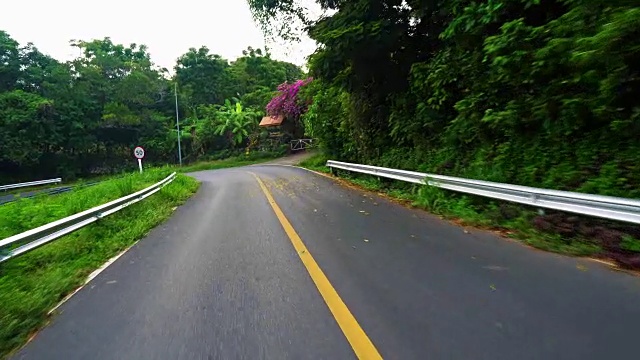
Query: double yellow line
<point x="357" y="338"/>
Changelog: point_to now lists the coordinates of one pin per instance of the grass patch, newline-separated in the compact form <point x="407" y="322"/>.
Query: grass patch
<point x="30" y="285"/>
<point x="316" y="162"/>
<point x="511" y="220"/>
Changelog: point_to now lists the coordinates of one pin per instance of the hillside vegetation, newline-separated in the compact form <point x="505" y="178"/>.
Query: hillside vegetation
<point x="82" y="118"/>
<point x="544" y="93"/>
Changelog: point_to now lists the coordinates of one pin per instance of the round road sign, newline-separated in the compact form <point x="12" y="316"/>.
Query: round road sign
<point x="138" y="152"/>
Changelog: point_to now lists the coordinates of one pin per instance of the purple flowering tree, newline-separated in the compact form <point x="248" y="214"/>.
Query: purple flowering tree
<point x="287" y="103"/>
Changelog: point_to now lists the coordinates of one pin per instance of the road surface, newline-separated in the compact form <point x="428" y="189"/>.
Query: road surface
<point x="308" y="269"/>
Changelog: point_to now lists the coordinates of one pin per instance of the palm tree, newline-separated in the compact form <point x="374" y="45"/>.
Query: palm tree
<point x="235" y="122"/>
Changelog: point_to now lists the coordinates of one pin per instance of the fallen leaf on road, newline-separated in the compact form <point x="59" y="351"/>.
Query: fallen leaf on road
<point x="493" y="287"/>
<point x="495" y="267"/>
<point x="581" y="267"/>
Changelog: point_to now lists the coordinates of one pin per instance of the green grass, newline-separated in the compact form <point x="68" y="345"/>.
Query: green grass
<point x="316" y="162"/>
<point x="512" y="220"/>
<point x="30" y="285"/>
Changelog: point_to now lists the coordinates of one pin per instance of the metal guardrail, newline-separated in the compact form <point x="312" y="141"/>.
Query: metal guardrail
<point x="30" y="183"/>
<point x="6" y="199"/>
<point x="606" y="207"/>
<point x="21" y="243"/>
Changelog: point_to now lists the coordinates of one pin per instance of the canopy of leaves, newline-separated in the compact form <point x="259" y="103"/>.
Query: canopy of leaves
<point x="85" y="116"/>
<point x="287" y="103"/>
<point x="535" y="92"/>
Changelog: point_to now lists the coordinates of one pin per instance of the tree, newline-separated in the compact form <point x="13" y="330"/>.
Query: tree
<point x="206" y="75"/>
<point x="9" y="62"/>
<point x="235" y="122"/>
<point x="537" y="89"/>
<point x="287" y="103"/>
<point x="83" y="117"/>
<point x="28" y="131"/>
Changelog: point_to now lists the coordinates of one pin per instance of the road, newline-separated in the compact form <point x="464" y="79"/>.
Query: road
<point x="309" y="269"/>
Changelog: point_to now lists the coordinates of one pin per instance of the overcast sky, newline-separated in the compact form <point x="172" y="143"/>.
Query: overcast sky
<point x="168" y="29"/>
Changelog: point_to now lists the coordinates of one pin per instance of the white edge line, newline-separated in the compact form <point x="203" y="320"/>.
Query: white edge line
<point x="91" y="277"/>
<point x="94" y="274"/>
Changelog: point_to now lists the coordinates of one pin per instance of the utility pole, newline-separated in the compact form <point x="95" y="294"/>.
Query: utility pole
<point x="175" y="90"/>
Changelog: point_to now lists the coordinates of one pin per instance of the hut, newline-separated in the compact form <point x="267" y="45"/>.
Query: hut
<point x="279" y="130"/>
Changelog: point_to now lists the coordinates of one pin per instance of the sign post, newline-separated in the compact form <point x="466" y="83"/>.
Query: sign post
<point x="138" y="152"/>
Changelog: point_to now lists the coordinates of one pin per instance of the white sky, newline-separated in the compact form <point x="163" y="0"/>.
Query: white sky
<point x="168" y="29"/>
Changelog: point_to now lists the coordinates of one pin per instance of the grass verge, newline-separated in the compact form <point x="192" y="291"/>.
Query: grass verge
<point x="30" y="285"/>
<point x="316" y="162"/>
<point x="551" y="231"/>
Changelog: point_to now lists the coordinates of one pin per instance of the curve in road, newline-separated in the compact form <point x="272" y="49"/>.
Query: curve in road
<point x="221" y="280"/>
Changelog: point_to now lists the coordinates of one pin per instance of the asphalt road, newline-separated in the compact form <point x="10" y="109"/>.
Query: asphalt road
<point x="222" y="280"/>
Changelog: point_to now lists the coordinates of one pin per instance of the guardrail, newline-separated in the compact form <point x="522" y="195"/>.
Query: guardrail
<point x="6" y="199"/>
<point x="21" y="243"/>
<point x="30" y="183"/>
<point x="606" y="207"/>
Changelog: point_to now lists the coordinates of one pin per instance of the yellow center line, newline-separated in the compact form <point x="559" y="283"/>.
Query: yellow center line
<point x="358" y="339"/>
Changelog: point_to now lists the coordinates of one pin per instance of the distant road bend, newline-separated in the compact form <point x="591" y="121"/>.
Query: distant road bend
<point x="275" y="262"/>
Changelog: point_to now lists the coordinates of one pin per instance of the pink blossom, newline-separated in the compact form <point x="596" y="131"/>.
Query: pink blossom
<point x="287" y="103"/>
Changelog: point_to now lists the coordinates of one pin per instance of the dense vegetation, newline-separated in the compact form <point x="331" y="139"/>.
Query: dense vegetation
<point x="83" y="117"/>
<point x="543" y="93"/>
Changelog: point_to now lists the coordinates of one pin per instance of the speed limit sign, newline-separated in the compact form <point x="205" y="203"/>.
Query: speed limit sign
<point x="138" y="152"/>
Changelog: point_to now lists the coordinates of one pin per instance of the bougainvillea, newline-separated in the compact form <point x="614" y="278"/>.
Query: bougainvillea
<point x="286" y="102"/>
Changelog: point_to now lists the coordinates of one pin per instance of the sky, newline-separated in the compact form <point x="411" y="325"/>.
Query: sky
<point x="168" y="29"/>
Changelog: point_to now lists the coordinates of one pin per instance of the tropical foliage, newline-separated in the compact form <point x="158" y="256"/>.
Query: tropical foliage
<point x="534" y="92"/>
<point x="543" y="93"/>
<point x="83" y="117"/>
<point x="287" y="102"/>
<point x="235" y="123"/>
